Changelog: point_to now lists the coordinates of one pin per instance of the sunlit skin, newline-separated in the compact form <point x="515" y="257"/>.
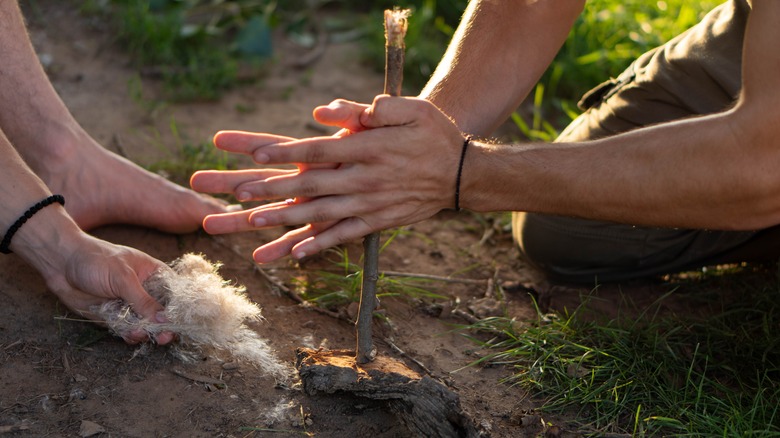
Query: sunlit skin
<point x="43" y="150"/>
<point x="715" y="172"/>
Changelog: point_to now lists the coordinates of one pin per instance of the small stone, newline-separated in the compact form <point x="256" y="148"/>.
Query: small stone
<point x="47" y="404"/>
<point x="76" y="394"/>
<point x="89" y="428"/>
<point x="531" y="420"/>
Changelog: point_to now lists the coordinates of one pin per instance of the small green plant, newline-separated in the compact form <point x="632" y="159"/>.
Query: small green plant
<point x="333" y="289"/>
<point x="194" y="46"/>
<point x="188" y="157"/>
<point x="653" y="375"/>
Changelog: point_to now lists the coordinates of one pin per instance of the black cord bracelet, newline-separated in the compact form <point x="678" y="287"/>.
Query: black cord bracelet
<point x="27" y="215"/>
<point x="466" y="142"/>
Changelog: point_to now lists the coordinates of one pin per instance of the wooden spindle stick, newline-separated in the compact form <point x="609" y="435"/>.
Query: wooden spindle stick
<point x="395" y="31"/>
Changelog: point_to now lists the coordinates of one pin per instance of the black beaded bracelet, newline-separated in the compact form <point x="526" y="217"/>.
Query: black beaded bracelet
<point x="466" y="142"/>
<point x="27" y="215"/>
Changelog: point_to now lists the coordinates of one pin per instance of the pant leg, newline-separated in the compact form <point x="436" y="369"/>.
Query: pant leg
<point x="574" y="250"/>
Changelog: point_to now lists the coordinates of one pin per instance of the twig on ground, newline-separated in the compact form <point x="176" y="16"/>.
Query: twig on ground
<point x="12" y="344"/>
<point x="199" y="378"/>
<point x="473" y="320"/>
<point x="14" y="428"/>
<point x="407" y="356"/>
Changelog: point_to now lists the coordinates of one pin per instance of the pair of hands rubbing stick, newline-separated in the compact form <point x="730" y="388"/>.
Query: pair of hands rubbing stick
<point x="206" y="311"/>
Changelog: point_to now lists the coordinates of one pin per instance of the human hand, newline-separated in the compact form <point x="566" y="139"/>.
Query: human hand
<point x="95" y="271"/>
<point x="340" y="113"/>
<point x="399" y="168"/>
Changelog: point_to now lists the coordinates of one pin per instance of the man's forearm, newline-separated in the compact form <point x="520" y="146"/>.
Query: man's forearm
<point x="498" y="53"/>
<point x="25" y="87"/>
<point x="717" y="171"/>
<point x="697" y="173"/>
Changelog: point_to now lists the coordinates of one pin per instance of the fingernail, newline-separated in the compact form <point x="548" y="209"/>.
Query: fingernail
<point x="299" y="255"/>
<point x="164" y="338"/>
<point x="259" y="222"/>
<point x="161" y="318"/>
<point x="261" y="158"/>
<point x="244" y="196"/>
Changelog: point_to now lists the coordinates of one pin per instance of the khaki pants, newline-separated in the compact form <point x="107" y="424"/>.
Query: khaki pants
<point x="696" y="73"/>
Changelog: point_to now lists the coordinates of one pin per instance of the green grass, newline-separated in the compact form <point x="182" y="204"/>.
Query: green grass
<point x="655" y="375"/>
<point x="604" y="40"/>
<point x="340" y="286"/>
<point x="187" y="157"/>
<point x="195" y="47"/>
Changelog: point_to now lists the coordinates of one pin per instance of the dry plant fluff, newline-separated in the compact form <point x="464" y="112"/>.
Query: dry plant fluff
<point x="203" y="309"/>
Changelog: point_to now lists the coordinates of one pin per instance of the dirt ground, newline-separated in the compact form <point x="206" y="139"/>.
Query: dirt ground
<point x="58" y="377"/>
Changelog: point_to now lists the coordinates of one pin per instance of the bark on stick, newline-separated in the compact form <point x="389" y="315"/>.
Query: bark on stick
<point x="395" y="31"/>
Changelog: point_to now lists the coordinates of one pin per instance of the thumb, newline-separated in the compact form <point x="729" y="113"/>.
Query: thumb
<point x="147" y="308"/>
<point x="341" y="113"/>
<point x="392" y="111"/>
<point x="143" y="304"/>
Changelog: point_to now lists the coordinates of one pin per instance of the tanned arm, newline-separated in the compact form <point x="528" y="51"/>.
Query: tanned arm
<point x="497" y="55"/>
<point x="716" y="172"/>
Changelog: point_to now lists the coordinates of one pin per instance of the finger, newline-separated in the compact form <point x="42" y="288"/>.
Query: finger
<point x="341" y="113"/>
<point x="386" y="112"/>
<point x="314" y="211"/>
<point x="304" y="185"/>
<point x="324" y="150"/>
<point x="243" y="142"/>
<point x="214" y="181"/>
<point x="227" y="222"/>
<point x="396" y="111"/>
<point x="145" y="306"/>
<point x="141" y="302"/>
<point x="344" y="231"/>
<point x="282" y="246"/>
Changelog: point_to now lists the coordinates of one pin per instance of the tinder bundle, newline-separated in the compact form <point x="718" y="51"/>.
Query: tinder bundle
<point x="203" y="309"/>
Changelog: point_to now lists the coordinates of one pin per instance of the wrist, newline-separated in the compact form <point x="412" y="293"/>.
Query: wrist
<point x="464" y="148"/>
<point x="468" y="191"/>
<point x="485" y="180"/>
<point x="47" y="240"/>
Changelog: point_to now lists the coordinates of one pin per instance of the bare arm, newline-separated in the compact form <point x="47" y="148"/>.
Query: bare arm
<point x="81" y="270"/>
<point x="717" y="171"/>
<point x="497" y="55"/>
<point x="39" y="115"/>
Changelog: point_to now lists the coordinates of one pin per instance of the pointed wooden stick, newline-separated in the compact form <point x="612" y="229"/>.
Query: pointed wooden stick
<point x="395" y="31"/>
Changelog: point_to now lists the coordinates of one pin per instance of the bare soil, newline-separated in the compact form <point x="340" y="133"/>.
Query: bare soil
<point x="59" y="376"/>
